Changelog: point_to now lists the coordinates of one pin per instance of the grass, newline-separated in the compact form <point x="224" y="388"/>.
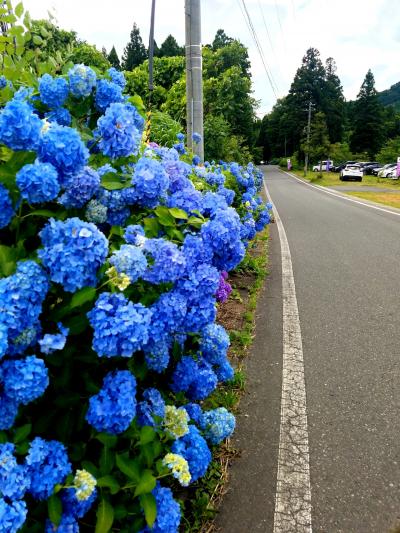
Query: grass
<point x="206" y="494"/>
<point x="331" y="179"/>
<point x="391" y="199"/>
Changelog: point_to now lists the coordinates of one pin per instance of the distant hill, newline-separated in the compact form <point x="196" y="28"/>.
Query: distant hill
<point x="391" y="96"/>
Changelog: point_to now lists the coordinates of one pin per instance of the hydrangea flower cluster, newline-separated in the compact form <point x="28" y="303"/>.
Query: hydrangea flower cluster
<point x="142" y="220"/>
<point x="73" y="252"/>
<point x="114" y="407"/>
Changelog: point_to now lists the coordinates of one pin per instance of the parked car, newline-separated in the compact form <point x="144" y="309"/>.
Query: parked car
<point x="368" y="169"/>
<point x="383" y="173"/>
<point x="341" y="166"/>
<point x="393" y="174"/>
<point x="351" y="172"/>
<point x="322" y="166"/>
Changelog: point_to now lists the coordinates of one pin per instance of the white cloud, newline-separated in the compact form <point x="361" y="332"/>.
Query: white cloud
<point x="359" y="35"/>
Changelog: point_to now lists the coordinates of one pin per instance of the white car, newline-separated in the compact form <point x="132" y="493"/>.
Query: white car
<point x="393" y="174"/>
<point x="323" y="166"/>
<point x="351" y="172"/>
<point x="387" y="169"/>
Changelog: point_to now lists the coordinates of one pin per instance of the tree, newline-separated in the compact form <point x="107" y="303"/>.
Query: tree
<point x="318" y="147"/>
<point x="114" y="59"/>
<point x="170" y="48"/>
<point x="135" y="51"/>
<point x="221" y="40"/>
<point x="333" y="102"/>
<point x="389" y="152"/>
<point x="367" y="133"/>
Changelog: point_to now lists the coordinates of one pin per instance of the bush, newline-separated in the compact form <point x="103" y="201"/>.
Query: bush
<point x="112" y="254"/>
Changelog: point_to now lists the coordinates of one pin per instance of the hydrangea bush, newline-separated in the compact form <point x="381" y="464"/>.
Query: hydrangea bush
<point x="114" y="253"/>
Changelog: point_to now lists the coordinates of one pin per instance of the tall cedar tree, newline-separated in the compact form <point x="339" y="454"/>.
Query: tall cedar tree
<point x="333" y="102"/>
<point x="170" y="48"/>
<point x="220" y="40"/>
<point x="308" y="86"/>
<point x="135" y="51"/>
<point x="114" y="59"/>
<point x="368" y="124"/>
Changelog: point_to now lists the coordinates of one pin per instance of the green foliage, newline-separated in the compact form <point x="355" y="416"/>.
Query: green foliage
<point x="318" y="147"/>
<point x="114" y="59"/>
<point x="221" y="40"/>
<point x="54" y="42"/>
<point x="339" y="152"/>
<point x="164" y="129"/>
<point x="367" y="133"/>
<point x="389" y="152"/>
<point x="135" y="52"/>
<point x="170" y="48"/>
<point x="89" y="55"/>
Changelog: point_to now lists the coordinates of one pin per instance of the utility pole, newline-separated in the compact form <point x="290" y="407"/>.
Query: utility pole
<point x="308" y="139"/>
<point x="194" y="78"/>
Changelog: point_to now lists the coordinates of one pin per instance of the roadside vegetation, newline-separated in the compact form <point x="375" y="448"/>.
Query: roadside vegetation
<point x="332" y="179"/>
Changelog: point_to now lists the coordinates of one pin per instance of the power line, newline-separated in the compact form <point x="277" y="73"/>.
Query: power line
<point x="265" y="26"/>
<point x="253" y="33"/>
<point x="280" y="24"/>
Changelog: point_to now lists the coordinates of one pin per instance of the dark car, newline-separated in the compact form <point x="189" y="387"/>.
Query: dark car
<point x="368" y="169"/>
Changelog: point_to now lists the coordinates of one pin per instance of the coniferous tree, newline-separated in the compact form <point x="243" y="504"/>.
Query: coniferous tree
<point x="170" y="48"/>
<point x="333" y="102"/>
<point x="114" y="59"/>
<point x="221" y="40"/>
<point x="135" y="51"/>
<point x="318" y="147"/>
<point x="367" y="135"/>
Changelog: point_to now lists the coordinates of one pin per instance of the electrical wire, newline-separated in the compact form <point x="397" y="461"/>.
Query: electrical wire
<point x="266" y="27"/>
<point x="253" y="33"/>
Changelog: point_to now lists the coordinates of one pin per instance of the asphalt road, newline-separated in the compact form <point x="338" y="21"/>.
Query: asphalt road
<point x="347" y="274"/>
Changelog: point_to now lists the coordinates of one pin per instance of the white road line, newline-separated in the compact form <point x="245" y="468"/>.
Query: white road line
<point x="293" y="490"/>
<point x="339" y="195"/>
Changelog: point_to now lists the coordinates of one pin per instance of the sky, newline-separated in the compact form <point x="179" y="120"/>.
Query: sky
<point x="358" y="34"/>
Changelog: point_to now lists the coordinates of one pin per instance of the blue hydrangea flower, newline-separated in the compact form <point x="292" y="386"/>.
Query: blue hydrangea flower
<point x="151" y="406"/>
<point x="187" y="199"/>
<point x="117" y="77"/>
<point x="194" y="449"/>
<point x="214" y="344"/>
<point x="156" y="353"/>
<point x="196" y="160"/>
<point x="169" y="313"/>
<point x="201" y="282"/>
<point x="114" y="407"/>
<point x="180" y="148"/>
<point x="248" y="230"/>
<point x="82" y="80"/>
<point x="80" y="188"/>
<point x="129" y="260"/>
<point x="47" y="465"/>
<point x="74" y="507"/>
<point x="168" y="261"/>
<point x="63" y="148"/>
<point x="215" y="178"/>
<point x="196" y="137"/>
<point x="38" y="183"/>
<point x="134" y="234"/>
<point x="263" y="219"/>
<point x="3" y="82"/>
<point x="180" y="136"/>
<point x="195" y="412"/>
<point x="224" y="371"/>
<point x="120" y="130"/>
<point x="107" y="93"/>
<point x="24" y="380"/>
<point x="67" y="524"/>
<point x="73" y="252"/>
<point x="212" y="201"/>
<point x="13" y="480"/>
<point x="178" y="172"/>
<point x="150" y="182"/>
<point x="195" y="378"/>
<point x="228" y="194"/>
<point x="21" y="297"/>
<point x="120" y="326"/>
<point x="60" y="115"/>
<point x="201" y="310"/>
<point x="6" y="207"/>
<point x="196" y="252"/>
<point x="168" y="512"/>
<point x="222" y="233"/>
<point x="19" y="126"/>
<point x="12" y="515"/>
<point x="53" y="91"/>
<point x="114" y="200"/>
<point x="8" y="412"/>
<point x="96" y="212"/>
<point x="218" y="424"/>
<point x="118" y="217"/>
<point x="51" y="343"/>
